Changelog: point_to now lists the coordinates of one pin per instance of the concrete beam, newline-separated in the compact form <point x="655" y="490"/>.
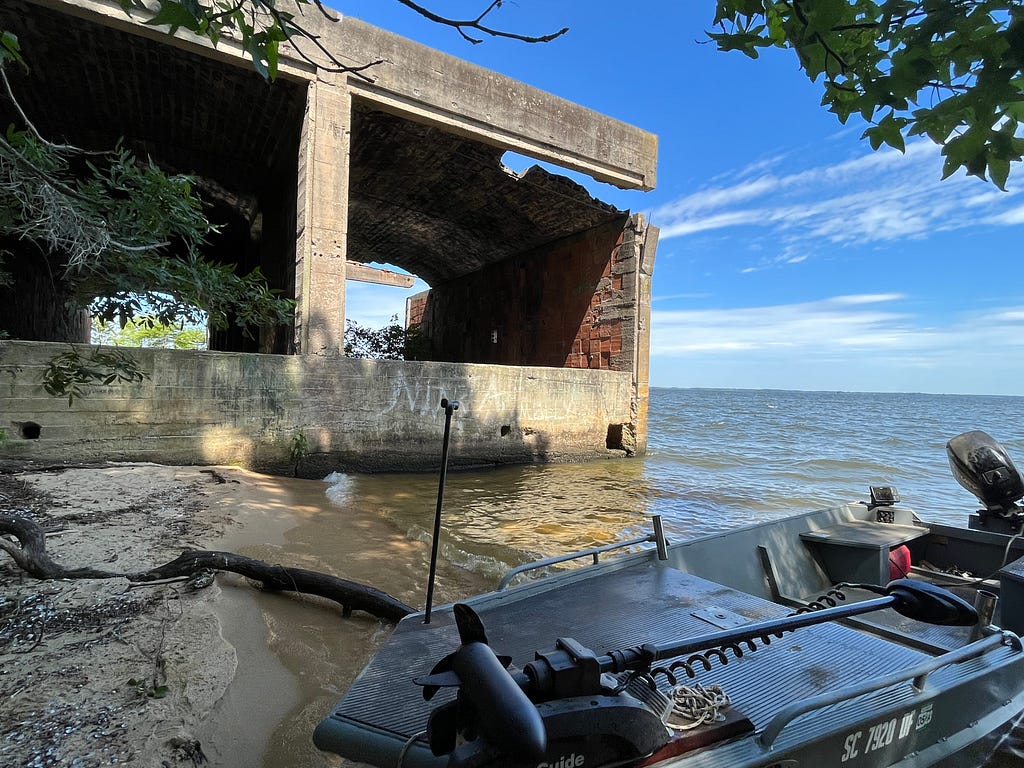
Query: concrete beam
<point x="356" y="271"/>
<point x="429" y="86"/>
<point x="426" y="85"/>
<point x="228" y="50"/>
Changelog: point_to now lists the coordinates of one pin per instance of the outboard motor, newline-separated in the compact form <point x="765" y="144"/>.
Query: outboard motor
<point x="983" y="467"/>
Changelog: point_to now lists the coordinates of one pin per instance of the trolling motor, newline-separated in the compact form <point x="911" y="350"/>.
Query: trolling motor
<point x="983" y="467"/>
<point x="570" y="708"/>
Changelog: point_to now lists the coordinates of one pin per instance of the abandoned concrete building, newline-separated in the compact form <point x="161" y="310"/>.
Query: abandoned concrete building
<point x="537" y="317"/>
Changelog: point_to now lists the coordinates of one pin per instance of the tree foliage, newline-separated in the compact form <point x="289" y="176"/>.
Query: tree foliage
<point x="147" y="331"/>
<point x="123" y="230"/>
<point x="261" y="26"/>
<point x="71" y="374"/>
<point x="950" y="70"/>
<point x="392" y="342"/>
<point x="120" y="229"/>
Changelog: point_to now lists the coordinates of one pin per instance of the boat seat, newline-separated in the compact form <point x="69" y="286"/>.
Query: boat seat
<point x="1011" y="596"/>
<point x="858" y="550"/>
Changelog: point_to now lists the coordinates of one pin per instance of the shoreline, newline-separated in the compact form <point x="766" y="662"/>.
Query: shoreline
<point x="100" y="672"/>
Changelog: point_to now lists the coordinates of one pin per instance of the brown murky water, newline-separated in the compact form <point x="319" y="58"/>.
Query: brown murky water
<point x="298" y="655"/>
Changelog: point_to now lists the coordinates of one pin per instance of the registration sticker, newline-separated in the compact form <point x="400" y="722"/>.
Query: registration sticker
<point x="924" y="717"/>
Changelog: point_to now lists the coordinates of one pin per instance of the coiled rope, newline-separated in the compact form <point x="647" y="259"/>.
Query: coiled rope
<point x="694" y="705"/>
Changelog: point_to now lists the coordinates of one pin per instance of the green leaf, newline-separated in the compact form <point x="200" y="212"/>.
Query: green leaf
<point x="174" y="15"/>
<point x="961" y="58"/>
<point x="890" y="132"/>
<point x="998" y="170"/>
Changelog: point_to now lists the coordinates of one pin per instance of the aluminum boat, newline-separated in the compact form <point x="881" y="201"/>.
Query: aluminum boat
<point x="858" y="635"/>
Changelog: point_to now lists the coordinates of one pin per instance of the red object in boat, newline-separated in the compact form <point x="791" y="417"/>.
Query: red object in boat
<point x="899" y="562"/>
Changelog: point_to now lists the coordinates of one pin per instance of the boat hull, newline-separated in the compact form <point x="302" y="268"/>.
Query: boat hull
<point x="871" y="692"/>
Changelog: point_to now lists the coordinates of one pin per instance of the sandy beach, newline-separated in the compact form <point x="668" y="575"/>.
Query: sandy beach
<point x="101" y="672"/>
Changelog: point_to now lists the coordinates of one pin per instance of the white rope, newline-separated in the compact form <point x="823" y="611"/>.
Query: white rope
<point x="696" y="705"/>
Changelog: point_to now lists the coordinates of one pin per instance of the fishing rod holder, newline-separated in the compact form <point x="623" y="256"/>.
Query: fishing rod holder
<point x="449" y="407"/>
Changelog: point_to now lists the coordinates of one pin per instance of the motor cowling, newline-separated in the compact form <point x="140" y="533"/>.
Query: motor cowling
<point x="982" y="466"/>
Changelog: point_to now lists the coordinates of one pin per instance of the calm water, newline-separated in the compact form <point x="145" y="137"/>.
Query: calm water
<point x="717" y="459"/>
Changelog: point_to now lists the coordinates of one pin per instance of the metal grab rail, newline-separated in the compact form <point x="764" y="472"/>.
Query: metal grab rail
<point x="918" y="674"/>
<point x="658" y="537"/>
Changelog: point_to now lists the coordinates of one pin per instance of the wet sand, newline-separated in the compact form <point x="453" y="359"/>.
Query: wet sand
<point x="100" y="672"/>
<point x="227" y="671"/>
<point x="207" y="682"/>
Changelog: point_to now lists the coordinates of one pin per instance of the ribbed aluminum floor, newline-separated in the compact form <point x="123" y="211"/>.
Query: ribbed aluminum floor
<point x="648" y="602"/>
<point x="929" y="637"/>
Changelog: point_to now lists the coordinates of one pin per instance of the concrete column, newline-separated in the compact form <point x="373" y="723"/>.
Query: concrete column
<point x="648" y="237"/>
<point x="322" y="221"/>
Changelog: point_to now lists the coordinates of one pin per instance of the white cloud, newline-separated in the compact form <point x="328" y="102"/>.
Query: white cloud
<point x="866" y="298"/>
<point x="878" y="197"/>
<point x="872" y="323"/>
<point x="1008" y="218"/>
<point x="821" y="324"/>
<point x="863" y="341"/>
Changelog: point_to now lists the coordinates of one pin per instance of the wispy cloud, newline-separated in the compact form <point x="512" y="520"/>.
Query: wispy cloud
<point x="873" y="324"/>
<point x="846" y="321"/>
<point x="876" y="197"/>
<point x="859" y="342"/>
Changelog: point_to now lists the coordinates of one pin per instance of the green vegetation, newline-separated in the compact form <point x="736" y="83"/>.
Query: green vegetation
<point x="148" y="688"/>
<point x="119" y="235"/>
<point x="298" y="450"/>
<point x="262" y="25"/>
<point x="392" y="342"/>
<point x="950" y="70"/>
<point x="70" y="373"/>
<point x="148" y="331"/>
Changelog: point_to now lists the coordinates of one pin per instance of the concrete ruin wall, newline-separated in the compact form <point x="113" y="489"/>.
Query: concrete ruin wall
<point x="245" y="409"/>
<point x="403" y="168"/>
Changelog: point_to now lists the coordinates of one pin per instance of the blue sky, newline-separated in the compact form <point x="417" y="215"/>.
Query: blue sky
<point x="791" y="255"/>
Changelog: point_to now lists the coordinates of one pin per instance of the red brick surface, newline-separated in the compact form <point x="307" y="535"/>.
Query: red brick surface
<point x="562" y="306"/>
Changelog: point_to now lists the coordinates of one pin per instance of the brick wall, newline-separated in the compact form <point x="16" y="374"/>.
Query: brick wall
<point x="570" y="304"/>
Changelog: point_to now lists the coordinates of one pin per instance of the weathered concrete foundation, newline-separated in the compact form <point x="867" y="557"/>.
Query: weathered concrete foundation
<point x="245" y="409"/>
<point x="540" y="294"/>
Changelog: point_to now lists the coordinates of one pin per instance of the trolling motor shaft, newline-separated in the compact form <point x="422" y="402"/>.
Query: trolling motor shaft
<point x="567" y="699"/>
<point x="572" y="670"/>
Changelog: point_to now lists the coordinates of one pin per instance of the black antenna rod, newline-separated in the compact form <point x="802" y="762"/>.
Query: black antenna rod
<point x="450" y="406"/>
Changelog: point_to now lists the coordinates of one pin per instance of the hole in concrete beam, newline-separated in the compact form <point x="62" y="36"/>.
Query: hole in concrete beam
<point x="29" y="430"/>
<point x="505" y="430"/>
<point x="614" y="439"/>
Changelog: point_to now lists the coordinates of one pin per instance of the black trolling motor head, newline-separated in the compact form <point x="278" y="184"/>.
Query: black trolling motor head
<point x="491" y="708"/>
<point x="929" y="603"/>
<point x="502" y="718"/>
<point x="571" y="702"/>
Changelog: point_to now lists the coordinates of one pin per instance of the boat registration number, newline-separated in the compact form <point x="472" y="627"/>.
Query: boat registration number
<point x="883" y="734"/>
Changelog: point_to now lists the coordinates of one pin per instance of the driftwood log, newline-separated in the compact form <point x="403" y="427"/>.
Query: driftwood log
<point x="29" y="552"/>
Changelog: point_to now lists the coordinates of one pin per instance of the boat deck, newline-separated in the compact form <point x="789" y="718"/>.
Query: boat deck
<point x="646" y="601"/>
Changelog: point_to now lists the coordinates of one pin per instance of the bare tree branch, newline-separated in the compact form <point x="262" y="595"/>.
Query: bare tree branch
<point x="478" y="25"/>
<point x="31" y="556"/>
